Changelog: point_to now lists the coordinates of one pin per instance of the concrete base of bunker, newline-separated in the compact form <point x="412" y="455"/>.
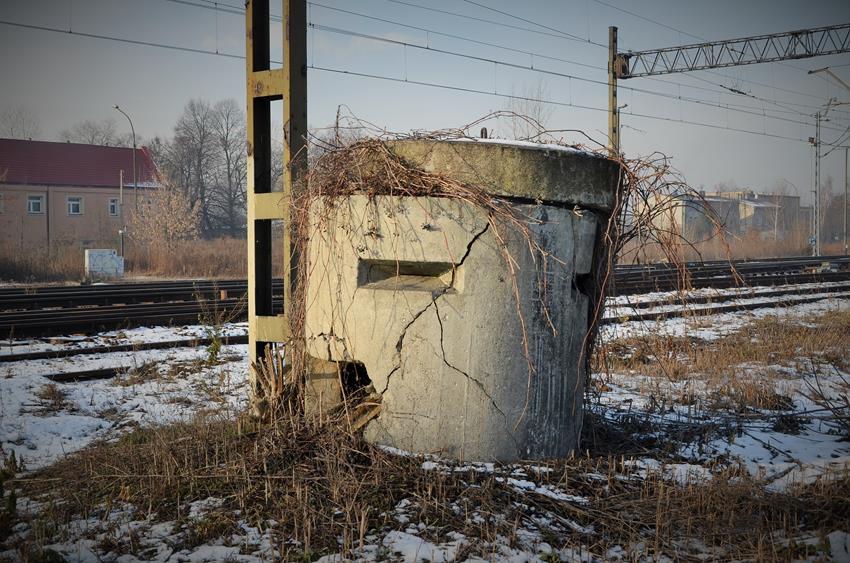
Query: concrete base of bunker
<point x="473" y="336"/>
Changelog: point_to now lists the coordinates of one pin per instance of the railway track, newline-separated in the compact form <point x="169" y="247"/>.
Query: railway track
<point x="641" y="311"/>
<point x="783" y="300"/>
<point x="42" y="311"/>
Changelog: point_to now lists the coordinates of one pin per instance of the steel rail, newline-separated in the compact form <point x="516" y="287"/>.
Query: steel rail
<point x="27" y="311"/>
<point x="105" y="373"/>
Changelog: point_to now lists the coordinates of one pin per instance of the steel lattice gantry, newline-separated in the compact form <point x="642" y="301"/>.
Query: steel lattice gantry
<point x="265" y="205"/>
<point x="774" y="47"/>
<point x="735" y="52"/>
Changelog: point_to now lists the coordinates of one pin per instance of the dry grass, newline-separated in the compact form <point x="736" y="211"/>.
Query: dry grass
<point x="52" y="398"/>
<point x="60" y="262"/>
<point x="747" y="246"/>
<point x="739" y="371"/>
<point x="211" y="259"/>
<point x="216" y="258"/>
<point x="327" y="489"/>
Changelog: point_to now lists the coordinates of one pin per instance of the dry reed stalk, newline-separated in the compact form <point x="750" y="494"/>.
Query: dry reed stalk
<point x="327" y="490"/>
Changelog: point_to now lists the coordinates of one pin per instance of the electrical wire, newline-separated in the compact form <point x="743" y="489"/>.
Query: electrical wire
<point x="554" y="73"/>
<point x="385" y="78"/>
<point x="216" y="6"/>
<point x="559" y="35"/>
<point x="585" y="39"/>
<point x="544" y="101"/>
<point x="123" y="40"/>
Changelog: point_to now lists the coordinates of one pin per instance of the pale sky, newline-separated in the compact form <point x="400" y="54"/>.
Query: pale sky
<point x="69" y="77"/>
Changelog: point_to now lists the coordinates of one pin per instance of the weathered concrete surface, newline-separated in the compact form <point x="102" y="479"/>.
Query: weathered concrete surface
<point x="419" y="291"/>
<point x="541" y="173"/>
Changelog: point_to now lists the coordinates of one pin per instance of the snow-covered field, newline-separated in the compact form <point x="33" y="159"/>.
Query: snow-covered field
<point x="41" y="421"/>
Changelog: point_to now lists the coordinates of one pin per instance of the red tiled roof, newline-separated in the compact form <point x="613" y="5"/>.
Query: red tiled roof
<point x="71" y="164"/>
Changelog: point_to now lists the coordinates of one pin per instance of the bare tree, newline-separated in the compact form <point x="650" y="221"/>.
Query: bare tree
<point x="92" y="132"/>
<point x="227" y="200"/>
<point x="19" y="123"/>
<point x="192" y="156"/>
<point x="528" y="103"/>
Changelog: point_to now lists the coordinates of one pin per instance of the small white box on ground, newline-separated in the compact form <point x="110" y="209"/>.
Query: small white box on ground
<point x="104" y="263"/>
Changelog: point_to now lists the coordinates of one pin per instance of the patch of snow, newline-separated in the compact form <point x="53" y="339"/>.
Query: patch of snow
<point x="525" y="145"/>
<point x="40" y="432"/>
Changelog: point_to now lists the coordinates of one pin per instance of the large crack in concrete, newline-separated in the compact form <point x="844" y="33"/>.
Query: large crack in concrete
<point x="474" y="380"/>
<point x="434" y="296"/>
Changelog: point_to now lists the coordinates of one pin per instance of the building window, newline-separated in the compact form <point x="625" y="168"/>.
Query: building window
<point x="35" y="204"/>
<point x="2" y="203"/>
<point x="75" y="205"/>
<point x="113" y="206"/>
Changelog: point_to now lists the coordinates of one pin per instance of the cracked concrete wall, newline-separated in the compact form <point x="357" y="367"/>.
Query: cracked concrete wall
<point x="419" y="291"/>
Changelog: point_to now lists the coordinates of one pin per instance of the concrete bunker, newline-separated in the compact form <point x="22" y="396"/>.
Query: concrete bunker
<point x="471" y="325"/>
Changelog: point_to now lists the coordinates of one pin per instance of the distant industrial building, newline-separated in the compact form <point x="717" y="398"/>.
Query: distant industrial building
<point x="772" y="214"/>
<point x="697" y="217"/>
<point x="67" y="193"/>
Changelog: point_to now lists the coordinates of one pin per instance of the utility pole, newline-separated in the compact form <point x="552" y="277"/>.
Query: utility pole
<point x="121" y="212"/>
<point x="613" y="108"/>
<point x="133" y="131"/>
<point x="846" y="87"/>
<point x="816" y="206"/>
<point x="797" y="44"/>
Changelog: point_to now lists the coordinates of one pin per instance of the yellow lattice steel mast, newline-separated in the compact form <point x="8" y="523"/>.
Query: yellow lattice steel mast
<point x="266" y="204"/>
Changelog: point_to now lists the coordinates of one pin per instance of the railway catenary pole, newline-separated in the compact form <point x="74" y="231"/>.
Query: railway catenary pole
<point x="613" y="108"/>
<point x="773" y="47"/>
<point x="846" y="87"/>
<point x="265" y="205"/>
<point x="816" y="211"/>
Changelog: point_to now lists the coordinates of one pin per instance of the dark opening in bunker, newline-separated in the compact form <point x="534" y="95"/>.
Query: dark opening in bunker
<point x="354" y="378"/>
<point x="398" y="275"/>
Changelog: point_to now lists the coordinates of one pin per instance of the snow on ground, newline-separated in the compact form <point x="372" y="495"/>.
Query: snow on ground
<point x="811" y="448"/>
<point x="153" y="540"/>
<point x="718" y="294"/>
<point x="41" y="420"/>
<point x="709" y="327"/>
<point x="40" y="427"/>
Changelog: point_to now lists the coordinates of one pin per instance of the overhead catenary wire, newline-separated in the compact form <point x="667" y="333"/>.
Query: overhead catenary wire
<point x="236" y="10"/>
<point x="492" y="9"/>
<point x="555" y="73"/>
<point x="559" y="34"/>
<point x="544" y="101"/>
<point x="558" y="59"/>
<point x="238" y="56"/>
<point x="215" y="5"/>
<point x="121" y="39"/>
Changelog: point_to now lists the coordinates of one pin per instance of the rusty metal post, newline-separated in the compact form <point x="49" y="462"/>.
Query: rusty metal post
<point x="613" y="109"/>
<point x="265" y="85"/>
